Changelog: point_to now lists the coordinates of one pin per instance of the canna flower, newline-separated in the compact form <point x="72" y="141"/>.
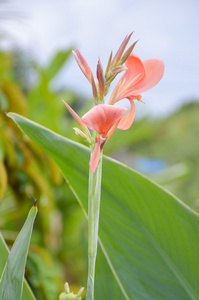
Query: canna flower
<point x="102" y="118"/>
<point x="139" y="77"/>
<point x="115" y="66"/>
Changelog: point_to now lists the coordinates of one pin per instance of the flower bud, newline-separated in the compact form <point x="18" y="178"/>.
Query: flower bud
<point x="67" y="295"/>
<point x="82" y="64"/>
<point x="126" y="54"/>
<point x="94" y="89"/>
<point x="70" y="296"/>
<point x="100" y="77"/>
<point x="115" y="71"/>
<point x="86" y="138"/>
<point x="120" y="51"/>
<point x="109" y="63"/>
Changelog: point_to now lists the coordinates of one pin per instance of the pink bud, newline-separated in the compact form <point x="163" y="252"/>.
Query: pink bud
<point x="120" y="50"/>
<point x="100" y="77"/>
<point x="77" y="118"/>
<point x="83" y="64"/>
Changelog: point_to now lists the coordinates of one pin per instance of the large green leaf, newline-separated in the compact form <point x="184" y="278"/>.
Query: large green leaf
<point x="11" y="286"/>
<point x="149" y="238"/>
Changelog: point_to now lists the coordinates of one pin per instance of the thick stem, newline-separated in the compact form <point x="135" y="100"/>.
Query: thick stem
<point x="94" y="195"/>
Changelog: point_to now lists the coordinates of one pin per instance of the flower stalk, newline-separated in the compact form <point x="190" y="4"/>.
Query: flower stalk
<point x="139" y="76"/>
<point x="94" y="195"/>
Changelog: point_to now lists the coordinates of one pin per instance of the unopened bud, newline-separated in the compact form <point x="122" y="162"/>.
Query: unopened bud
<point x="67" y="295"/>
<point x="100" y="77"/>
<point x="120" y="51"/>
<point x="70" y="296"/>
<point x="110" y="76"/>
<point x="87" y="138"/>
<point x="109" y="63"/>
<point x="80" y="291"/>
<point x="83" y="64"/>
<point x="77" y="118"/>
<point x="115" y="71"/>
<point x="67" y="289"/>
<point x="126" y="54"/>
<point x="94" y="89"/>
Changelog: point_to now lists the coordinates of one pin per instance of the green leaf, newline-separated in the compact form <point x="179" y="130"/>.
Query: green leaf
<point x="11" y="286"/>
<point x="106" y="287"/>
<point x="149" y="238"/>
<point x="27" y="293"/>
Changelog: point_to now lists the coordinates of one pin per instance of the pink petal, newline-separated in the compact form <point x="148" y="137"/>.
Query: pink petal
<point x="154" y="71"/>
<point x="127" y="119"/>
<point x="102" y="117"/>
<point x="135" y="66"/>
<point x="113" y="128"/>
<point x="95" y="157"/>
<point x="76" y="117"/>
<point x="134" y="74"/>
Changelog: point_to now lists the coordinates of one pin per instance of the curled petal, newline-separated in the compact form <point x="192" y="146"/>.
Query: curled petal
<point x="127" y="120"/>
<point x="135" y="66"/>
<point x="139" y="77"/>
<point x="95" y="157"/>
<point x="102" y="117"/>
<point x="154" y="68"/>
<point x="134" y="74"/>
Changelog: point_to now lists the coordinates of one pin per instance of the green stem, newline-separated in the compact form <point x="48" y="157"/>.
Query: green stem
<point x="94" y="195"/>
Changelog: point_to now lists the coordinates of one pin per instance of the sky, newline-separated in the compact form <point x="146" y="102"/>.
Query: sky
<point x="165" y="29"/>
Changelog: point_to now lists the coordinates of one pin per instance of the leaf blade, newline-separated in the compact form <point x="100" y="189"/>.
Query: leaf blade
<point x="150" y="237"/>
<point x="11" y="286"/>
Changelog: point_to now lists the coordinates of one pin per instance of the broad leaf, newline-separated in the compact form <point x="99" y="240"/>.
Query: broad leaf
<point x="11" y="286"/>
<point x="149" y="238"/>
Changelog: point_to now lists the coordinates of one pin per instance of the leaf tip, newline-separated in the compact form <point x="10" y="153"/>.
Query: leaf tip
<point x="35" y="200"/>
<point x="35" y="203"/>
<point x="10" y="115"/>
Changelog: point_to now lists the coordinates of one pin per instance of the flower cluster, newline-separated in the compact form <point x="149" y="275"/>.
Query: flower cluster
<point x="139" y="76"/>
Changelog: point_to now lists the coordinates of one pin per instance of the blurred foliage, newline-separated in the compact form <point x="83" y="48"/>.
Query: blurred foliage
<point x="58" y="249"/>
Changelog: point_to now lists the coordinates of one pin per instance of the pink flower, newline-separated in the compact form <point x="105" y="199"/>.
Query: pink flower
<point x="104" y="119"/>
<point x="139" y="77"/>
